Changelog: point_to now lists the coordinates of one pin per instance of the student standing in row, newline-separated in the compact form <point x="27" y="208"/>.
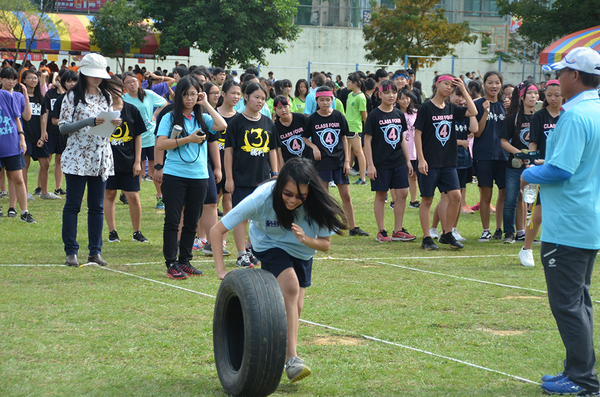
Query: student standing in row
<point x="356" y="114"/>
<point x="289" y="129"/>
<point x="300" y="96"/>
<point x="406" y="103"/>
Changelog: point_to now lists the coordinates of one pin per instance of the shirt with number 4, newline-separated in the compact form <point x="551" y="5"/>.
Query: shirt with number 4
<point x="438" y="133"/>
<point x="387" y="130"/>
<point x="327" y="133"/>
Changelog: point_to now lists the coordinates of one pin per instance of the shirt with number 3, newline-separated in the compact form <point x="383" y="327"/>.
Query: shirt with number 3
<point x="327" y="133"/>
<point x="438" y="133"/>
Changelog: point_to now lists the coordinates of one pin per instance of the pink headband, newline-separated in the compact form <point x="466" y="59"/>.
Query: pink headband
<point x="283" y="102"/>
<point x="324" y="93"/>
<point x="386" y="88"/>
<point x="444" y="77"/>
<point x="552" y="82"/>
<point x="531" y="87"/>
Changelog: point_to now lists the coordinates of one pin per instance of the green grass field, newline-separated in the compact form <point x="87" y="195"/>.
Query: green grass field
<point x="407" y="322"/>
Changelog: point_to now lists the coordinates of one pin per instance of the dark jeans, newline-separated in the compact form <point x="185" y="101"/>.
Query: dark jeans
<point x="511" y="198"/>
<point x="95" y="201"/>
<point x="179" y="193"/>
<point x="568" y="273"/>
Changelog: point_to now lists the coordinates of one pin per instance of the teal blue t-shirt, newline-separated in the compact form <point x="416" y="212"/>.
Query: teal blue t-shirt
<point x="189" y="160"/>
<point x="265" y="231"/>
<point x="241" y="106"/>
<point x="571" y="209"/>
<point x="146" y="108"/>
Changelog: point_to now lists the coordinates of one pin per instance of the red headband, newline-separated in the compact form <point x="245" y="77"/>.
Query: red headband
<point x="386" y="88"/>
<point x="531" y="87"/>
<point x="324" y="93"/>
<point x="444" y="77"/>
<point x="553" y="82"/>
<point x="283" y="102"/>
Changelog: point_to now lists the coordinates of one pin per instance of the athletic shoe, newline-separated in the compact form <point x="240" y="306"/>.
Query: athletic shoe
<point x="243" y="261"/>
<point x="248" y="247"/>
<point x="12" y="213"/>
<point x="50" y="196"/>
<point x="139" y="237"/>
<point x="60" y="191"/>
<point x="509" y="238"/>
<point x="564" y="386"/>
<point x="465" y="209"/>
<point x="402" y="235"/>
<point x="457" y="235"/>
<point x="497" y="234"/>
<point x="147" y="178"/>
<point x="26" y="217"/>
<point x="3" y="193"/>
<point x="520" y="238"/>
<point x="175" y="272"/>
<point x="332" y="184"/>
<point x="414" y="204"/>
<point x="526" y="257"/>
<point x="30" y="197"/>
<point x="448" y="238"/>
<point x="296" y="370"/>
<point x="360" y="182"/>
<point x="253" y="259"/>
<point x="485" y="236"/>
<point x="392" y="205"/>
<point x="492" y="209"/>
<point x="190" y="270"/>
<point x="383" y="237"/>
<point x="428" y="244"/>
<point x="160" y="205"/>
<point x="113" y="237"/>
<point x="196" y="246"/>
<point x="1" y="214"/>
<point x="207" y="250"/>
<point x="433" y="232"/>
<point x="353" y="172"/>
<point x="97" y="259"/>
<point x="475" y="207"/>
<point x="553" y="378"/>
<point x="123" y="199"/>
<point x="219" y="213"/>
<point x="37" y="191"/>
<point x="357" y="231"/>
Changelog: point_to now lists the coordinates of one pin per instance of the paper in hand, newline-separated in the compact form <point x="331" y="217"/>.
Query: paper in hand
<point x="107" y="128"/>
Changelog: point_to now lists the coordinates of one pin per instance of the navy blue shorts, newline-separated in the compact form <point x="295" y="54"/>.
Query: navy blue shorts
<point x="36" y="152"/>
<point x="56" y="143"/>
<point x="445" y="179"/>
<point x="393" y="178"/>
<point x="148" y="153"/>
<point x="337" y="176"/>
<point x="415" y="165"/>
<point x="464" y="176"/>
<point x="240" y="193"/>
<point x="211" y="190"/>
<point x="276" y="260"/>
<point x="123" y="181"/>
<point x="488" y="171"/>
<point x="13" y="163"/>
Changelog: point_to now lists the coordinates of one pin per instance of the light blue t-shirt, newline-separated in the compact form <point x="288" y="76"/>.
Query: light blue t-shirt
<point x="310" y="104"/>
<point x="571" y="209"/>
<point x="240" y="107"/>
<point x="146" y="108"/>
<point x="265" y="231"/>
<point x="189" y="160"/>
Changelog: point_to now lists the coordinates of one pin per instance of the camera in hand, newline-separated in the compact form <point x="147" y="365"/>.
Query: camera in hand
<point x="200" y="133"/>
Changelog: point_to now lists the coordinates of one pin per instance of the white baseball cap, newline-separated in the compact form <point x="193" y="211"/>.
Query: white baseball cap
<point x="94" y="65"/>
<point x="583" y="59"/>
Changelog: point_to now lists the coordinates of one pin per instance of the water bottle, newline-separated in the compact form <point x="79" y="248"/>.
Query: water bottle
<point x="530" y="193"/>
<point x="177" y="130"/>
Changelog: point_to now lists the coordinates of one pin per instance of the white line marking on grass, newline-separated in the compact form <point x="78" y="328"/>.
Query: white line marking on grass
<point x="408" y="257"/>
<point x="344" y="331"/>
<point x="92" y="263"/>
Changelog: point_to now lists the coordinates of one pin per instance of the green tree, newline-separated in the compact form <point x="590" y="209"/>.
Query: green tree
<point x="119" y="26"/>
<point x="233" y="31"/>
<point x="544" y="21"/>
<point x="16" y="16"/>
<point x="412" y="27"/>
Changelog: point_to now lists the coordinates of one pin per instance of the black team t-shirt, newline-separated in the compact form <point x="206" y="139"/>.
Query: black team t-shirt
<point x="516" y="133"/>
<point x="289" y="138"/>
<point x="462" y="133"/>
<point x="487" y="146"/>
<point x="326" y="133"/>
<point x="33" y="126"/>
<point x="221" y="140"/>
<point x="251" y="142"/>
<point x="387" y="130"/>
<point x="49" y="103"/>
<point x="438" y="133"/>
<point x="122" y="141"/>
<point x="542" y="124"/>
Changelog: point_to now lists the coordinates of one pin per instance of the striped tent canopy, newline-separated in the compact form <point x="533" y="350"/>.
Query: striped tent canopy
<point x="557" y="50"/>
<point x="68" y="34"/>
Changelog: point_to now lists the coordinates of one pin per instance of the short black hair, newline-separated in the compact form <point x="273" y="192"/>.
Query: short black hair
<point x="218" y="70"/>
<point x="589" y="80"/>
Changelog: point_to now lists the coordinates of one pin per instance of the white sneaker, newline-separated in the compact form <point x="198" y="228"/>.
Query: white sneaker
<point x="50" y="196"/>
<point x="457" y="235"/>
<point x="332" y="184"/>
<point x="354" y="172"/>
<point x="296" y="370"/>
<point x="434" y="233"/>
<point x="526" y="257"/>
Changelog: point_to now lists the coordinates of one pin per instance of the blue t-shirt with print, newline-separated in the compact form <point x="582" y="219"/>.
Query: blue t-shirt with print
<point x="265" y="231"/>
<point x="189" y="160"/>
<point x="9" y="136"/>
<point x="488" y="146"/>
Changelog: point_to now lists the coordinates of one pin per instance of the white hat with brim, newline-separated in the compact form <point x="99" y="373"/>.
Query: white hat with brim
<point x="94" y="65"/>
<point x="583" y="59"/>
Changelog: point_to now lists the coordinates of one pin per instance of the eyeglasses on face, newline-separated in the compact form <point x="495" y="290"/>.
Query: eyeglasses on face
<point x="190" y="95"/>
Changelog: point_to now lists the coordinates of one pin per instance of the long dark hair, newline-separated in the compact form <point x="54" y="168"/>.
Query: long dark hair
<point x="319" y="206"/>
<point x="494" y="73"/>
<point x="37" y="91"/>
<point x="355" y="78"/>
<point x="140" y="91"/>
<point x="412" y="107"/>
<point x="178" y="118"/>
<point x="516" y="103"/>
<point x="80" y="89"/>
<point x="297" y="91"/>
<point x="68" y="75"/>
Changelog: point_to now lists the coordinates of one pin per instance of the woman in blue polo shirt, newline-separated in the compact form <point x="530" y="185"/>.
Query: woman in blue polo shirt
<point x="185" y="172"/>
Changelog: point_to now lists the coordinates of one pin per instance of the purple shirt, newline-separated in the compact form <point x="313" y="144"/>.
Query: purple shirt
<point x="9" y="136"/>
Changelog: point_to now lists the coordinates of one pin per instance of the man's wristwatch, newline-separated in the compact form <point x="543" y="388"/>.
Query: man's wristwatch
<point x="158" y="167"/>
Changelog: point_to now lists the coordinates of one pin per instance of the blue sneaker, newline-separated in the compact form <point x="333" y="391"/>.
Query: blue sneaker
<point x="160" y="205"/>
<point x="553" y="378"/>
<point x="564" y="386"/>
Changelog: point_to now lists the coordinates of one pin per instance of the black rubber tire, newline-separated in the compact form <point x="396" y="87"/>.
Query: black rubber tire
<point x="249" y="333"/>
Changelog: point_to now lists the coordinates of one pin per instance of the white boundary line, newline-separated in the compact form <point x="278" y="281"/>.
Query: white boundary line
<point x="344" y="331"/>
<point x="409" y="257"/>
<point x="91" y="263"/>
